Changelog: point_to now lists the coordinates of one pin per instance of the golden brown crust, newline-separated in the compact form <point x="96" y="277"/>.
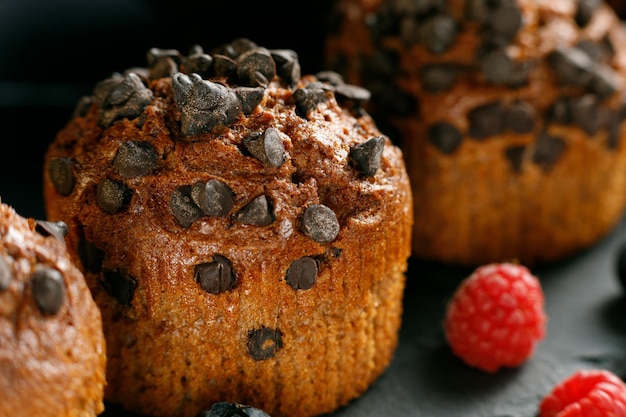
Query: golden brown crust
<point x="175" y="348"/>
<point x="475" y="204"/>
<point x="52" y="362"/>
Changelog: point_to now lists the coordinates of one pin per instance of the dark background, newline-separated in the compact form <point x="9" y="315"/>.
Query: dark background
<point x="53" y="52"/>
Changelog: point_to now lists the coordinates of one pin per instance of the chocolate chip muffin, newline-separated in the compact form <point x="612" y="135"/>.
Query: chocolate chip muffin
<point x="244" y="229"/>
<point x="510" y="115"/>
<point x="52" y="349"/>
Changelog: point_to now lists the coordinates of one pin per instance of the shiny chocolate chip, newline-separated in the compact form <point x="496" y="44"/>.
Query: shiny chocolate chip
<point x="250" y="97"/>
<point x="119" y="286"/>
<point x="58" y="229"/>
<point x="164" y="67"/>
<point x="6" y="276"/>
<point x="572" y="65"/>
<point x="438" y="77"/>
<point x="438" y="33"/>
<point x="287" y="65"/>
<point x="445" y="137"/>
<point x="217" y="276"/>
<point x="302" y="273"/>
<point x="320" y="223"/>
<point x="48" y="289"/>
<point x="367" y="156"/>
<point x="486" y="120"/>
<point x="307" y="100"/>
<point x="497" y="66"/>
<point x="264" y="342"/>
<point x="135" y="158"/>
<point x="548" y="149"/>
<point x="352" y="92"/>
<point x="256" y="67"/>
<point x="585" y="112"/>
<point x="520" y="117"/>
<point x="90" y="255"/>
<point x="204" y="105"/>
<point x="112" y="196"/>
<point x="126" y="97"/>
<point x="155" y="54"/>
<point x="197" y="62"/>
<point x="267" y="147"/>
<point x="61" y="175"/>
<point x="604" y="81"/>
<point x="183" y="208"/>
<point x="506" y="20"/>
<point x="257" y="212"/>
<point x="515" y="155"/>
<point x="214" y="197"/>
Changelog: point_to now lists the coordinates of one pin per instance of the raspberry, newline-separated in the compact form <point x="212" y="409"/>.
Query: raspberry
<point x="586" y="393"/>
<point x="496" y="317"/>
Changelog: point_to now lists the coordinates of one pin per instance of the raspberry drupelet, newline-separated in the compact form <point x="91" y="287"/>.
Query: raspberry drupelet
<point x="496" y="317"/>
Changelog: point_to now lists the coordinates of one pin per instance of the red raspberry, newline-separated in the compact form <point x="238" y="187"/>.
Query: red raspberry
<point x="496" y="316"/>
<point x="586" y="393"/>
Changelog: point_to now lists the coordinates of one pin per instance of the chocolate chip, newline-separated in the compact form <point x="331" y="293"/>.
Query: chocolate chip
<point x="126" y="97"/>
<point x="547" y="151"/>
<point x="585" y="112"/>
<point x="302" y="273"/>
<point x="352" y="92"/>
<point x="217" y="276"/>
<point x="307" y="100"/>
<point x="287" y="65"/>
<point x="197" y="61"/>
<point x="559" y="111"/>
<point x="135" y="158"/>
<point x="520" y="117"/>
<point x="572" y="65"/>
<point x="320" y="223"/>
<point x="6" y="276"/>
<point x="257" y="212"/>
<point x="445" y="137"/>
<point x="585" y="11"/>
<point x="228" y="409"/>
<point x="61" y="175"/>
<point x="90" y="255"/>
<point x="597" y="51"/>
<point x="438" y="33"/>
<point x="112" y="196"/>
<point x="56" y="229"/>
<point x="48" y="289"/>
<point x="264" y="342"/>
<point x="256" y="67"/>
<point x="438" y="77"/>
<point x="267" y="147"/>
<point x="604" y="81"/>
<point x="331" y="77"/>
<point x="226" y="67"/>
<point x="164" y="67"/>
<point x="506" y="20"/>
<point x="366" y="156"/>
<point x="155" y="54"/>
<point x="204" y="105"/>
<point x="120" y="286"/>
<point x="486" y="120"/>
<point x="515" y="155"/>
<point x="497" y="66"/>
<point x="183" y="208"/>
<point x="213" y="197"/>
<point x="250" y="97"/>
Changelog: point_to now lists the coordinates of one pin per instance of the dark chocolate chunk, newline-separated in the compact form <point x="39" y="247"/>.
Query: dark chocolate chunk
<point x="366" y="156"/>
<point x="197" y="61"/>
<point x="506" y="20"/>
<point x="217" y="276"/>
<point x="497" y="66"/>
<point x="183" y="207"/>
<point x="213" y="197"/>
<point x="438" y="33"/>
<point x="119" y="286"/>
<point x="164" y="67"/>
<point x="227" y="409"/>
<point x="302" y="273"/>
<point x="267" y="147"/>
<point x="486" y="120"/>
<point x="477" y="10"/>
<point x="320" y="223"/>
<point x="264" y="342"/>
<point x="572" y="66"/>
<point x="604" y="81"/>
<point x="126" y="97"/>
<point x="585" y="11"/>
<point x="438" y="77"/>
<point x="599" y="52"/>
<point x="250" y="97"/>
<point x="90" y="255"/>
<point x="445" y="137"/>
<point x="352" y="92"/>
<point x="547" y="151"/>
<point x="225" y="66"/>
<point x="112" y="195"/>
<point x="58" y="229"/>
<point x="307" y="100"/>
<point x="256" y="67"/>
<point x="135" y="158"/>
<point x="155" y="54"/>
<point x="6" y="276"/>
<point x="331" y="77"/>
<point x="61" y="175"/>
<point x="559" y="112"/>
<point x="48" y="288"/>
<point x="515" y="155"/>
<point x="287" y="65"/>
<point x="520" y="117"/>
<point x="257" y="212"/>
<point x="585" y="112"/>
<point x="204" y="105"/>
